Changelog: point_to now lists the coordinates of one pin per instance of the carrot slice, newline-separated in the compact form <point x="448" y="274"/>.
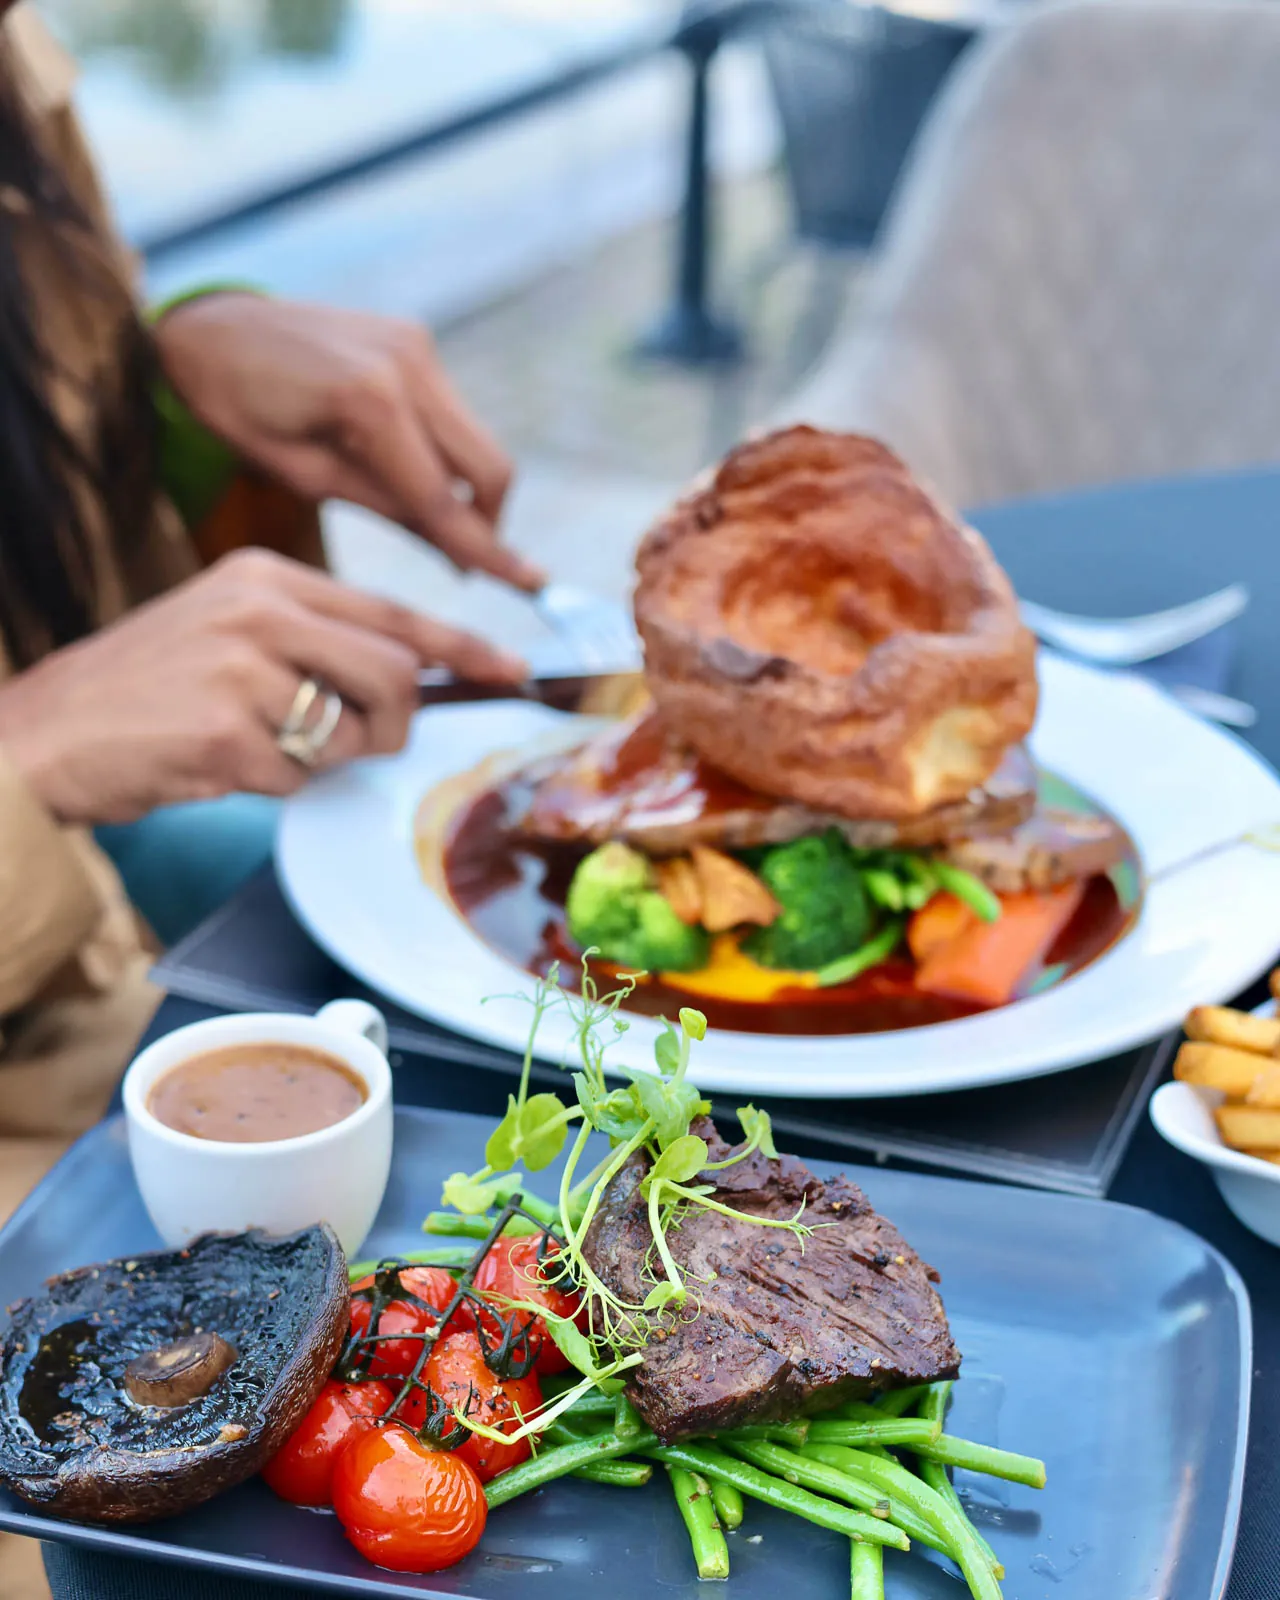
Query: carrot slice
<point x="988" y="960"/>
<point x="937" y="923"/>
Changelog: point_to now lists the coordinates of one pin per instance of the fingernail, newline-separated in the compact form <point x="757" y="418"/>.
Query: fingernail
<point x="514" y="666"/>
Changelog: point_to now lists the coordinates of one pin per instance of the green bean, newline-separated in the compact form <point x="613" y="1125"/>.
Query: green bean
<point x="860" y="1411"/>
<point x="899" y="1402"/>
<point x="789" y="1433"/>
<point x="966" y="887"/>
<point x="593" y="1404"/>
<point x="452" y="1224"/>
<point x="935" y="1475"/>
<point x="626" y="1419"/>
<point x="712" y="1463"/>
<point x="984" y="1458"/>
<point x="552" y="1464"/>
<point x="621" y="1474"/>
<point x="909" y="1432"/>
<point x="828" y="1477"/>
<point x="933" y="1405"/>
<point x="728" y="1503"/>
<point x="693" y="1498"/>
<point x="867" y="955"/>
<point x="441" y="1255"/>
<point x="547" y="1212"/>
<point x="866" y="1571"/>
<point x="825" y="1470"/>
<point x="962" y="1543"/>
<point x="883" y="888"/>
<point x="919" y="869"/>
<point x="556" y="1433"/>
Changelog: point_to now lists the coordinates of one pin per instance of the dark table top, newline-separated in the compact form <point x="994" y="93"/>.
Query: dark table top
<point x="1140" y="547"/>
<point x="1128" y="549"/>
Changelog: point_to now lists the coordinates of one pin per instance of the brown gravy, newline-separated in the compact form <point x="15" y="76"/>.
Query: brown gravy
<point x="512" y="893"/>
<point x="253" y="1093"/>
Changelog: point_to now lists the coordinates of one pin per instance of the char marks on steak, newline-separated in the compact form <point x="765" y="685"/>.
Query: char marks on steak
<point x="637" y="783"/>
<point x="778" y="1330"/>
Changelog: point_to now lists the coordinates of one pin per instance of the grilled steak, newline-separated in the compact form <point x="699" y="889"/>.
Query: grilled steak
<point x="771" y="1331"/>
<point x="637" y="783"/>
<point x="1050" y="848"/>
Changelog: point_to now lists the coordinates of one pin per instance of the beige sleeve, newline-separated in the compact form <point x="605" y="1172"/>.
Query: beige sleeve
<point x="49" y="903"/>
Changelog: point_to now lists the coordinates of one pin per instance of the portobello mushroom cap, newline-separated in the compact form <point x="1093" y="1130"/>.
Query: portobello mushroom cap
<point x="73" y="1438"/>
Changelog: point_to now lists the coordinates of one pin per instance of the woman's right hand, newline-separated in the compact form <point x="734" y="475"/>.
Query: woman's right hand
<point x="183" y="698"/>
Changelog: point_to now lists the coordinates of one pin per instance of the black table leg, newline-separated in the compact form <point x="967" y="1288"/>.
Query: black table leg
<point x="690" y="332"/>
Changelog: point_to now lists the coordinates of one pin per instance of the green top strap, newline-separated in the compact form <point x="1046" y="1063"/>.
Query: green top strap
<point x="196" y="466"/>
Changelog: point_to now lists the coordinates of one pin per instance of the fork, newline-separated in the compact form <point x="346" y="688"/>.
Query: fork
<point x="599" y="633"/>
<point x="1127" y="641"/>
<point x="1223" y="708"/>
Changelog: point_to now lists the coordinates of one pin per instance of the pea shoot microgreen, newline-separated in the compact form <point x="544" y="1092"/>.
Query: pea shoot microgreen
<point x="650" y="1113"/>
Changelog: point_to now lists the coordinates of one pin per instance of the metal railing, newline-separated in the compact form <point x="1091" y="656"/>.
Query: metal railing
<point x="689" y="331"/>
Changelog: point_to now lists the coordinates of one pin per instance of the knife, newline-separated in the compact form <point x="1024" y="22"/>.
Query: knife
<point x="598" y="693"/>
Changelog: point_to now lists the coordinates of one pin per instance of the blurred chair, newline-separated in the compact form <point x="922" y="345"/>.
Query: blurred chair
<point x="1080" y="274"/>
<point x="858" y="80"/>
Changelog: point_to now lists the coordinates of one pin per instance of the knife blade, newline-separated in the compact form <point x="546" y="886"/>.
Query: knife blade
<point x="598" y="693"/>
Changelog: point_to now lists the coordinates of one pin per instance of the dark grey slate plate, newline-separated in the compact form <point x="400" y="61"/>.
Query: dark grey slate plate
<point x="1111" y="1342"/>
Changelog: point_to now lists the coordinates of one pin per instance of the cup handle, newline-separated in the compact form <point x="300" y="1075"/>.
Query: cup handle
<point x="356" y="1016"/>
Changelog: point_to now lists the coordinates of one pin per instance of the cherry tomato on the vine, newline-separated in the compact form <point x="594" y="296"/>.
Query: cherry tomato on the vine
<point x="302" y="1469"/>
<point x="397" y="1357"/>
<point x="406" y="1506"/>
<point x="458" y="1374"/>
<point x="512" y="1271"/>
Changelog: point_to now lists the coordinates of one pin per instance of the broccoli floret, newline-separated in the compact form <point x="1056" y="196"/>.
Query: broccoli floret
<point x="826" y="913"/>
<point x="613" y="904"/>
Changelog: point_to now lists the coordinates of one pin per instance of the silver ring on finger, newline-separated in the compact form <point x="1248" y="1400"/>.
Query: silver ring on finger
<point x="310" y="724"/>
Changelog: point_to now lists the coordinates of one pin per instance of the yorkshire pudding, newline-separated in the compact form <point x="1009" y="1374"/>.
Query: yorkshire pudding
<point x="816" y="625"/>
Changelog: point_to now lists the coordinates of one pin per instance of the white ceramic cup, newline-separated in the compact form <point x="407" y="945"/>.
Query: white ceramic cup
<point x="335" y="1175"/>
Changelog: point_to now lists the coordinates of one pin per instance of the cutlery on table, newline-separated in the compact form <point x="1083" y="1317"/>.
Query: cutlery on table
<point x="1223" y="708"/>
<point x="1128" y="641"/>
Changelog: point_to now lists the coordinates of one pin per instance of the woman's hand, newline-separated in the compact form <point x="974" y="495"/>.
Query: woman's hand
<point x="343" y="405"/>
<point x="183" y="699"/>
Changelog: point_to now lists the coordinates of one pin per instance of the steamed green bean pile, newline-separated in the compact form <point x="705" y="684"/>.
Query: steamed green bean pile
<point x="838" y="1471"/>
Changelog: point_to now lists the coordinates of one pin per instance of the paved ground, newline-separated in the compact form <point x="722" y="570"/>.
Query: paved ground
<point x="603" y="439"/>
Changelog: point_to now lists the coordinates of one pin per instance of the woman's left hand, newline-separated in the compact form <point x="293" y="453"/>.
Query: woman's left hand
<point x="349" y="406"/>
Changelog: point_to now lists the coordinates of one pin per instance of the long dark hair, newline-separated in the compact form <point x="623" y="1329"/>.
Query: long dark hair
<point x="48" y="478"/>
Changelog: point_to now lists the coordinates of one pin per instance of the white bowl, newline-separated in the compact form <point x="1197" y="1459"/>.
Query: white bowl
<point x="1183" y="1113"/>
<point x="336" y="1175"/>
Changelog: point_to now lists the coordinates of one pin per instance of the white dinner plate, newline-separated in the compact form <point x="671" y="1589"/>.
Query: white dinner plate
<point x="1187" y="792"/>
